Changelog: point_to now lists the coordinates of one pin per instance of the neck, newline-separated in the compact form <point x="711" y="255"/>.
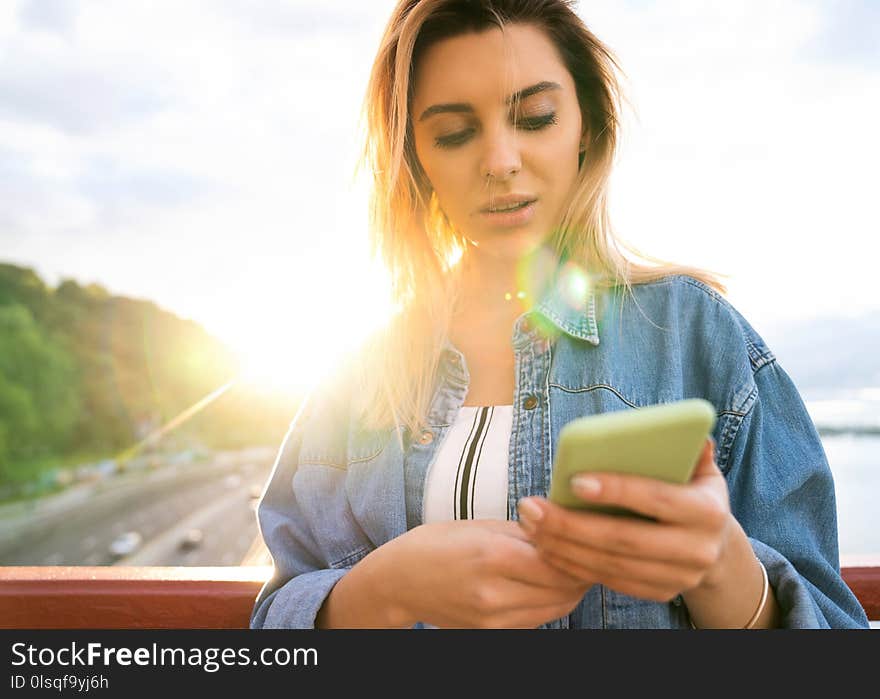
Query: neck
<point x="502" y="287"/>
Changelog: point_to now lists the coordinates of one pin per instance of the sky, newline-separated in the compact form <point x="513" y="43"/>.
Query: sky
<point x="201" y="154"/>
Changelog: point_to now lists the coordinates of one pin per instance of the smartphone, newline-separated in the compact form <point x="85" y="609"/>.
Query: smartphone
<point x="660" y="441"/>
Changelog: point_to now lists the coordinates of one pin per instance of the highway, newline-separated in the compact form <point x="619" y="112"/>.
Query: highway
<point x="192" y="514"/>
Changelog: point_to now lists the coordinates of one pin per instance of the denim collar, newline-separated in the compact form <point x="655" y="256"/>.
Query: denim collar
<point x="573" y="312"/>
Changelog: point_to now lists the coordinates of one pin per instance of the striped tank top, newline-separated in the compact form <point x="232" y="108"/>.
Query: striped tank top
<point x="468" y="479"/>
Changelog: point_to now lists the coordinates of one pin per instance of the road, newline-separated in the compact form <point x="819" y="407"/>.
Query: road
<point x="161" y="505"/>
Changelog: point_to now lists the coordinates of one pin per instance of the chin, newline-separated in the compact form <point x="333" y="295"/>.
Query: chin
<point x="510" y="244"/>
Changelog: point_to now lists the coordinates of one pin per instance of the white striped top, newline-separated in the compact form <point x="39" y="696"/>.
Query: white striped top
<point x="468" y="479"/>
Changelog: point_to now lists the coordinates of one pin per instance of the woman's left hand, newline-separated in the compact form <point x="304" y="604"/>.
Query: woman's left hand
<point x="654" y="560"/>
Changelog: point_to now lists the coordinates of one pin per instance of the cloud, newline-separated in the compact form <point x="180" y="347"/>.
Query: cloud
<point x="77" y="94"/>
<point x="121" y="192"/>
<point x="850" y="34"/>
<point x="296" y="18"/>
<point x="50" y="15"/>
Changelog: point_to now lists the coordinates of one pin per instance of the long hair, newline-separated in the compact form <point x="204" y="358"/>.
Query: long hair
<point x="396" y="368"/>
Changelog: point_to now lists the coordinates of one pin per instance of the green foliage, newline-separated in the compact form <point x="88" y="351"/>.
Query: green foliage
<point x="22" y="286"/>
<point x="18" y="421"/>
<point x="83" y="371"/>
<point x="38" y="396"/>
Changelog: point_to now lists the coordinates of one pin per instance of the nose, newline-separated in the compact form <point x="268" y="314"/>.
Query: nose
<point x="501" y="157"/>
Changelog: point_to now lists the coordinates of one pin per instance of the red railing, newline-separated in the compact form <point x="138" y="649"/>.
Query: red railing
<point x="128" y="598"/>
<point x="200" y="598"/>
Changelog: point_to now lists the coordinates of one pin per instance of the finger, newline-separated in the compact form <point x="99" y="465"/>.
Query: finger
<point x="621" y="535"/>
<point x="519" y="561"/>
<point x="598" y="564"/>
<point x="503" y="594"/>
<point x="652" y="589"/>
<point x="533" y="618"/>
<point x="668" y="545"/>
<point x="706" y="465"/>
<point x="499" y="526"/>
<point x="503" y="597"/>
<point x="518" y="617"/>
<point x="513" y="555"/>
<point x="665" y="502"/>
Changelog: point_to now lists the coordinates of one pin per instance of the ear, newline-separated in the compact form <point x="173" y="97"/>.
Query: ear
<point x="585" y="141"/>
<point x="584" y="145"/>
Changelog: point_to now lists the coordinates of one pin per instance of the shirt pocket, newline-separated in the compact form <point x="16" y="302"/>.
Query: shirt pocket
<point x="352" y="558"/>
<point x="374" y="487"/>
<point x="321" y="498"/>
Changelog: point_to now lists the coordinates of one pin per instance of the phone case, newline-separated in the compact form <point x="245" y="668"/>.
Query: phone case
<point x="660" y="441"/>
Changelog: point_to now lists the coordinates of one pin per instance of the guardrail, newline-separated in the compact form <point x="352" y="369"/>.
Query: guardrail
<point x="200" y="598"/>
<point x="121" y="597"/>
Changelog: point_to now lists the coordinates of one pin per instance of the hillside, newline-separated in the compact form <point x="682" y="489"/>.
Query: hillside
<point x="84" y="372"/>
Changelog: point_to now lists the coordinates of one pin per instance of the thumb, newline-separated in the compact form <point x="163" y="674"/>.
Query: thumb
<point x="706" y="461"/>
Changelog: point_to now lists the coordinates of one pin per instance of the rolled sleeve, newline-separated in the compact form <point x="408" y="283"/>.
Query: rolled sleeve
<point x="295" y="604"/>
<point x="782" y="493"/>
<point x="302" y="577"/>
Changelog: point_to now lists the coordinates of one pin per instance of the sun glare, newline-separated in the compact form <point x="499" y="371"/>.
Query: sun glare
<point x="288" y="345"/>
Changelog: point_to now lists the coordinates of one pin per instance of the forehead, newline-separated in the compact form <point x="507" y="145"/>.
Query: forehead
<point x="487" y="66"/>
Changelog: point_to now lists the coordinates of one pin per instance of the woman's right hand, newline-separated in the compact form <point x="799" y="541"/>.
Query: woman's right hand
<point x="474" y="574"/>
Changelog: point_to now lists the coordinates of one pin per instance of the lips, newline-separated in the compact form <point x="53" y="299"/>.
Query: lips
<point x="506" y="203"/>
<point x="514" y="218"/>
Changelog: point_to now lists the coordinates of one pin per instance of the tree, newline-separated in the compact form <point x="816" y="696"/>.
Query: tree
<point x="38" y="389"/>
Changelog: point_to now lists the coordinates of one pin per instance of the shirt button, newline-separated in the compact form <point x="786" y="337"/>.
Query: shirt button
<point x="426" y="437"/>
<point x="530" y="403"/>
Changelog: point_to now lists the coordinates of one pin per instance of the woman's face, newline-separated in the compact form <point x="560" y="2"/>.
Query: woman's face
<point x="476" y="159"/>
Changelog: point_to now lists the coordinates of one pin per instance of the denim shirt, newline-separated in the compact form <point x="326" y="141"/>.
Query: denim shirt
<point x="338" y="491"/>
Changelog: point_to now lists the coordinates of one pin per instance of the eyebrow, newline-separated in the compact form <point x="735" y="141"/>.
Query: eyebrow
<point x="458" y="107"/>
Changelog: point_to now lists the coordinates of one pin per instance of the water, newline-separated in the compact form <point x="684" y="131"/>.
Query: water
<point x="854" y="462"/>
<point x="854" y="409"/>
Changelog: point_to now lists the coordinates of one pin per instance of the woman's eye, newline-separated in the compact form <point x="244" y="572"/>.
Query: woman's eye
<point x="454" y="139"/>
<point x="536" y="122"/>
<point x="533" y="123"/>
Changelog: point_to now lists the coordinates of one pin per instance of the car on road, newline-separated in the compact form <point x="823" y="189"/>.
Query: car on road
<point x="125" y="544"/>
<point x="191" y="540"/>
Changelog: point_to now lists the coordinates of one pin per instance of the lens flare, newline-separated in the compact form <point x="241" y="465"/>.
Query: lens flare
<point x="574" y="285"/>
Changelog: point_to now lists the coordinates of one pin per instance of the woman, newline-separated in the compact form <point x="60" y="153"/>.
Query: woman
<point x="410" y="492"/>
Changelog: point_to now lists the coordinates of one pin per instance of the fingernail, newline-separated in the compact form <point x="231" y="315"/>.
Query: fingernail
<point x="527" y="526"/>
<point x="586" y="485"/>
<point x="529" y="512"/>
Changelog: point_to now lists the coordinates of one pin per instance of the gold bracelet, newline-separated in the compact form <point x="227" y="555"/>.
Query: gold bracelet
<point x="765" y="593"/>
